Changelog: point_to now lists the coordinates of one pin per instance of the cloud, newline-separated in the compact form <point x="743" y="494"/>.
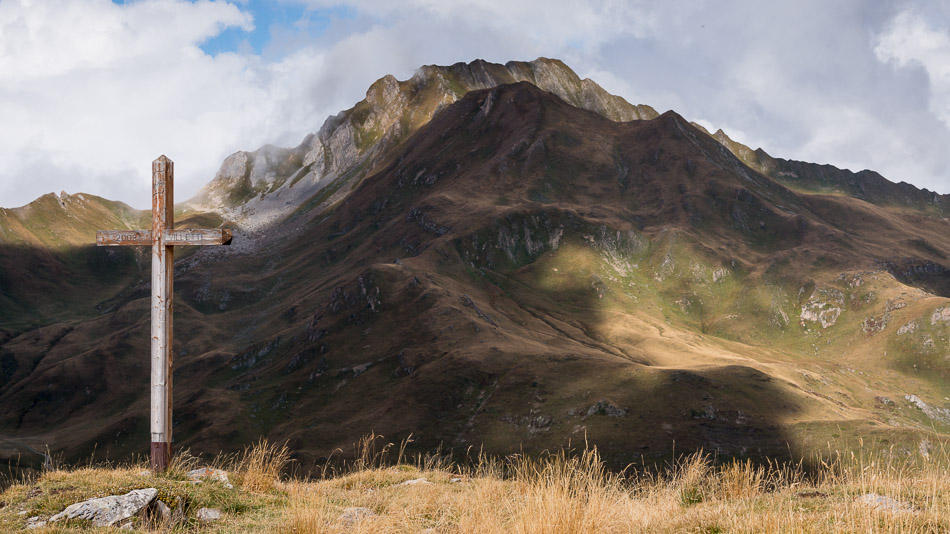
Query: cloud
<point x="88" y="110"/>
<point x="851" y="83"/>
<point x="553" y="23"/>
<point x="92" y="92"/>
<point x="802" y="80"/>
<point x="102" y="101"/>
<point x="910" y="41"/>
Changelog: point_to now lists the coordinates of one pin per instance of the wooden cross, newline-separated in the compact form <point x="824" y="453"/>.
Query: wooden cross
<point x="162" y="237"/>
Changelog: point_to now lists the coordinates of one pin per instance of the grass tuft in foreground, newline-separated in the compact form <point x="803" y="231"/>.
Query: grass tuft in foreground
<point x="559" y="493"/>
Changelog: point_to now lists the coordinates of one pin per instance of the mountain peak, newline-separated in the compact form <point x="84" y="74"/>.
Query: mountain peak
<point x="256" y="188"/>
<point x="260" y="187"/>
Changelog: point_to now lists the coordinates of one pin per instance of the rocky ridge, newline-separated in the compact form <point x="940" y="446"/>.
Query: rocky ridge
<point x="258" y="188"/>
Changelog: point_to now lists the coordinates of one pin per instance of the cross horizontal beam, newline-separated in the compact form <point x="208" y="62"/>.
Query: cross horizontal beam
<point x="115" y="238"/>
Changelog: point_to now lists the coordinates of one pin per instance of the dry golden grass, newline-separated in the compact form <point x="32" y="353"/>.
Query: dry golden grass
<point x="558" y="494"/>
<point x="574" y="494"/>
<point x="259" y="467"/>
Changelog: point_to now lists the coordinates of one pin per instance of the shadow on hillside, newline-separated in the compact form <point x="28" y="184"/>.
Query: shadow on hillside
<point x="927" y="275"/>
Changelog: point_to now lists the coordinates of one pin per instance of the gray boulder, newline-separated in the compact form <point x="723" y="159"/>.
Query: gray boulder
<point x="167" y="515"/>
<point x="107" y="511"/>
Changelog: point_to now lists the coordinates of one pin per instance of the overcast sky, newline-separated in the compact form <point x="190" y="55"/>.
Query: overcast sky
<point x="91" y="91"/>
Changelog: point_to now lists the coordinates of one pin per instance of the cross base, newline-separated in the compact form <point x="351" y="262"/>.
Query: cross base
<point x="161" y="455"/>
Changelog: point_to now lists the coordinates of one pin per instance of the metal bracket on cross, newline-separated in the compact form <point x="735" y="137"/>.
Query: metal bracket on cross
<point x="162" y="238"/>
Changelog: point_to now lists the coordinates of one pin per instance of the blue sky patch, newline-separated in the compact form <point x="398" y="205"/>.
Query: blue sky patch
<point x="268" y="16"/>
<point x="274" y="21"/>
<point x="271" y="19"/>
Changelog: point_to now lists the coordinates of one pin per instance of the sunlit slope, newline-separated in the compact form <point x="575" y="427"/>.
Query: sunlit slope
<point x="50" y="269"/>
<point x="624" y="243"/>
<point x="65" y="220"/>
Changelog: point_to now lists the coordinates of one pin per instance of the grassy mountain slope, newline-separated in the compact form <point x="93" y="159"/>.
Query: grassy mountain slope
<point x="520" y="273"/>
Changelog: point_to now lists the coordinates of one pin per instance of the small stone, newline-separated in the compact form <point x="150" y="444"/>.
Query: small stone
<point x="197" y="475"/>
<point x="107" y="511"/>
<point x="880" y="502"/>
<point x="170" y="516"/>
<point x="605" y="407"/>
<point x="163" y="510"/>
<point x="719" y="274"/>
<point x="455" y="480"/>
<point x="940" y="314"/>
<point x="35" y="522"/>
<point x="908" y="328"/>
<point x="414" y="482"/>
<point x="355" y="514"/>
<point x="207" y="515"/>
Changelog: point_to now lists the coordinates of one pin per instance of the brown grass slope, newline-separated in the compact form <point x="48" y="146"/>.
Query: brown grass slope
<point x="522" y="274"/>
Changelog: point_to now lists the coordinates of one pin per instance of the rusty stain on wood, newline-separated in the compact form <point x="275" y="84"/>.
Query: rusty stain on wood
<point x="162" y="238"/>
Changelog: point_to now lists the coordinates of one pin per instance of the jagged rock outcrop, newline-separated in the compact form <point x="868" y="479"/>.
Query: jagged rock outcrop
<point x="257" y="188"/>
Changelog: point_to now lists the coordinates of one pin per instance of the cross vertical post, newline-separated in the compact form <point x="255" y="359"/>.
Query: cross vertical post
<point x="163" y="218"/>
<point x="163" y="239"/>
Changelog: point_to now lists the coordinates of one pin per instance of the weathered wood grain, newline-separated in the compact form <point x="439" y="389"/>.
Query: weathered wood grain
<point x="218" y="236"/>
<point x="162" y="238"/>
<point x="163" y="176"/>
<point x="115" y="238"/>
<point x="176" y="238"/>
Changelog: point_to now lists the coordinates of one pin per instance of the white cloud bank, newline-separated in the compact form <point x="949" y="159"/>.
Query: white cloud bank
<point x="91" y="92"/>
<point x="911" y="41"/>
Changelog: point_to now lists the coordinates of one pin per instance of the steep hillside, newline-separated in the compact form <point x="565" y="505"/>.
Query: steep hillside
<point x="517" y="272"/>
